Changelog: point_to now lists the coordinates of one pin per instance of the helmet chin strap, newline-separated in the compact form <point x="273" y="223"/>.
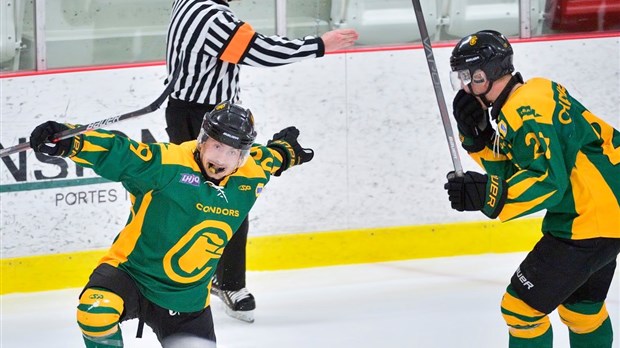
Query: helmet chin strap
<point x="482" y="95"/>
<point x="501" y="98"/>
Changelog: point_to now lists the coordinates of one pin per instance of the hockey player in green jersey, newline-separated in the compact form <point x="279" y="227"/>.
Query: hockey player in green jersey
<point x="187" y="201"/>
<point x="548" y="152"/>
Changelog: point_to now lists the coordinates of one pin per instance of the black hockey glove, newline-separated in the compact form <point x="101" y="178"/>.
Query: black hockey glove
<point x="41" y="140"/>
<point x="472" y="121"/>
<point x="474" y="191"/>
<point x="285" y="142"/>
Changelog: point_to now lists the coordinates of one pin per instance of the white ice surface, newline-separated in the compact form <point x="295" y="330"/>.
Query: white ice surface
<point x="440" y="302"/>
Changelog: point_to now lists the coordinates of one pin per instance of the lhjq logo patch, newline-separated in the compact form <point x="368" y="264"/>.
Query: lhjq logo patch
<point x="190" y="179"/>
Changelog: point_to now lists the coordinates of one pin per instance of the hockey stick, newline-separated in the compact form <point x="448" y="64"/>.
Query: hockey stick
<point x="102" y="123"/>
<point x="443" y="111"/>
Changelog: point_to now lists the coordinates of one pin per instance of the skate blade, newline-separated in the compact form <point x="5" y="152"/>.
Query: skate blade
<point x="247" y="316"/>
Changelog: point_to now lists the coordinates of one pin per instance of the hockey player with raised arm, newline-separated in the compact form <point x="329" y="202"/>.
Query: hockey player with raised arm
<point x="212" y="44"/>
<point x="551" y="153"/>
<point x="187" y="201"/>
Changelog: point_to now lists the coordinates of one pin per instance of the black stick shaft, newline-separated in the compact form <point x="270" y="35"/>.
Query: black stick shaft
<point x="441" y="102"/>
<point x="102" y="123"/>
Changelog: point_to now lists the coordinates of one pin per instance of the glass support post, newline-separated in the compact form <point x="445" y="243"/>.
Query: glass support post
<point x="281" y="18"/>
<point x="39" y="35"/>
<point x="525" y="19"/>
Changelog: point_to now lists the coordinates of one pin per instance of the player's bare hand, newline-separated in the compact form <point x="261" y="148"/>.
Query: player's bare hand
<point x="339" y="39"/>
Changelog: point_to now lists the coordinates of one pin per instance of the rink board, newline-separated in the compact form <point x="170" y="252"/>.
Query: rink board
<point x="281" y="252"/>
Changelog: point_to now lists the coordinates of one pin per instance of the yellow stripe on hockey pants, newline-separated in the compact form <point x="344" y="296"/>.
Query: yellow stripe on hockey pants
<point x="527" y="326"/>
<point x="98" y="316"/>
<point x="589" y="324"/>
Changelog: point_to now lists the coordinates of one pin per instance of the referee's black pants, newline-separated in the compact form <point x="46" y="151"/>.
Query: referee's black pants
<point x="183" y="121"/>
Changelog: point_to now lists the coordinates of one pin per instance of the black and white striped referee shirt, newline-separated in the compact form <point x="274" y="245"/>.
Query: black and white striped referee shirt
<point x="213" y="43"/>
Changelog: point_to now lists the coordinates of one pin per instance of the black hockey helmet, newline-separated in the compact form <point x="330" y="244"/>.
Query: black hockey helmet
<point x="487" y="50"/>
<point x="229" y="124"/>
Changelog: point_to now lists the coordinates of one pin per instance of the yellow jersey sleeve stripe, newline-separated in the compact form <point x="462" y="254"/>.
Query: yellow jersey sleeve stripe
<point x="516" y="190"/>
<point x="512" y="210"/>
<point x="80" y="161"/>
<point x="97" y="134"/>
<point x="90" y="147"/>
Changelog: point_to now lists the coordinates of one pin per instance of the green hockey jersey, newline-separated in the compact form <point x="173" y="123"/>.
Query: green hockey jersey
<point x="179" y="223"/>
<point x="556" y="155"/>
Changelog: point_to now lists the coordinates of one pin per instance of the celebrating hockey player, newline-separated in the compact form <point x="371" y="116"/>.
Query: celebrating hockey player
<point x="548" y="152"/>
<point x="212" y="44"/>
<point x="187" y="201"/>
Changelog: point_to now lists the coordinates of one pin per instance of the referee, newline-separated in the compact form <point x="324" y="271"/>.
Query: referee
<point x="212" y="44"/>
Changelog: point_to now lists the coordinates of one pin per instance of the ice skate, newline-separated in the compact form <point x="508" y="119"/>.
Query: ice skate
<point x="240" y="303"/>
